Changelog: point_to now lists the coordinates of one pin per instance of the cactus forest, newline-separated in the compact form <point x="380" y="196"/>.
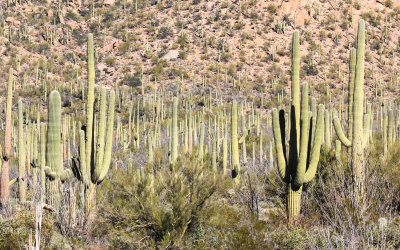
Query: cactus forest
<point x="199" y="124"/>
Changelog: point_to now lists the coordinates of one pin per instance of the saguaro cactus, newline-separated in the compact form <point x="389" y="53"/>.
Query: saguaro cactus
<point x="5" y="170"/>
<point x="21" y="154"/>
<point x="234" y="141"/>
<point x="54" y="159"/>
<point x="174" y="150"/>
<point x="360" y="130"/>
<point x="95" y="159"/>
<point x="297" y="169"/>
<point x="90" y="99"/>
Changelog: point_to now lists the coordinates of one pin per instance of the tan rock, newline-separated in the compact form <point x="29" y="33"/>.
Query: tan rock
<point x="109" y="2"/>
<point x="101" y="67"/>
<point x="72" y="24"/>
<point x="50" y="13"/>
<point x="10" y="19"/>
<point x="172" y="55"/>
<point x="301" y="17"/>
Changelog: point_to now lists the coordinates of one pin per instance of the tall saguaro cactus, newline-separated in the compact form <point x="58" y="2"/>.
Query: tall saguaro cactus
<point x="300" y="165"/>
<point x="360" y="129"/>
<point x="174" y="150"/>
<point x="5" y="169"/>
<point x="21" y="154"/>
<point x="234" y="141"/>
<point x="95" y="151"/>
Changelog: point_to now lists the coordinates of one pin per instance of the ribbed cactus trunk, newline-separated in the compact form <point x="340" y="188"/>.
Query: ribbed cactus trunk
<point x="90" y="100"/>
<point x="90" y="201"/>
<point x="174" y="150"/>
<point x="5" y="170"/>
<point x="225" y="150"/>
<point x="293" y="202"/>
<point x="42" y="157"/>
<point x="54" y="149"/>
<point x="357" y="156"/>
<point x="21" y="154"/>
<point x="234" y="142"/>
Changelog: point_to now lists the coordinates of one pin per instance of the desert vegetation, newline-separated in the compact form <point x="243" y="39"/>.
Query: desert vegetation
<point x="135" y="124"/>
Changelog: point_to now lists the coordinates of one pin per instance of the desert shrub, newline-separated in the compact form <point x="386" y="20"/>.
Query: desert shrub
<point x="331" y="201"/>
<point x="131" y="80"/>
<point x="110" y="61"/>
<point x="228" y="228"/>
<point x="139" y="213"/>
<point x="290" y="238"/>
<point x="15" y="231"/>
<point x="124" y="47"/>
<point x="164" y="32"/>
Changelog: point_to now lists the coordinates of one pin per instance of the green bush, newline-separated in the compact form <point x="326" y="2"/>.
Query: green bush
<point x="15" y="231"/>
<point x="110" y="61"/>
<point x="160" y="214"/>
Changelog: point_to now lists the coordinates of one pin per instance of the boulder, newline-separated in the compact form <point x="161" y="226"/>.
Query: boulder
<point x="109" y="2"/>
<point x="72" y="24"/>
<point x="172" y="55"/>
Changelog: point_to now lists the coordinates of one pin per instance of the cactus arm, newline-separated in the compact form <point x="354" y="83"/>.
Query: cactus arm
<point x="109" y="137"/>
<point x="305" y="125"/>
<point x="313" y="117"/>
<point x="242" y="139"/>
<point x="339" y="132"/>
<point x="12" y="181"/>
<point x="351" y="91"/>
<point x="50" y="173"/>
<point x="314" y="157"/>
<point x="66" y="174"/>
<point x="281" y="159"/>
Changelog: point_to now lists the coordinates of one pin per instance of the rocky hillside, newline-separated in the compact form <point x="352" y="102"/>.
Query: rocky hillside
<point x="166" y="43"/>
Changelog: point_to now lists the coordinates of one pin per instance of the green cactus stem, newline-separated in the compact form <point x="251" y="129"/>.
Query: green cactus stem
<point x="303" y="156"/>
